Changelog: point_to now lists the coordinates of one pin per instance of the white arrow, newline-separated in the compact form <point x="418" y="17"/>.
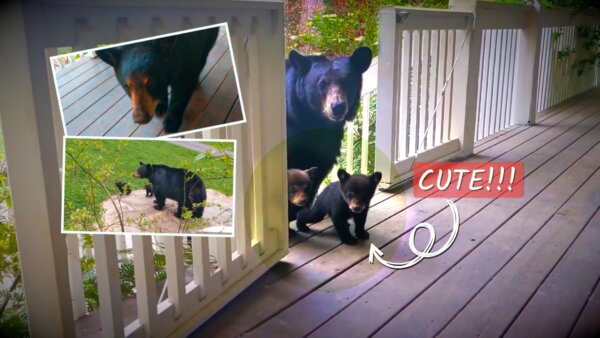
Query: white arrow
<point x="375" y="253"/>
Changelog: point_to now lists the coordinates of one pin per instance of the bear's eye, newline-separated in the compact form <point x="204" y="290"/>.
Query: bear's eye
<point x="322" y="85"/>
<point x="350" y="195"/>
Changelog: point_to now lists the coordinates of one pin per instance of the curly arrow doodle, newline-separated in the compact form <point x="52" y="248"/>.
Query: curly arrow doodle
<point x="375" y="253"/>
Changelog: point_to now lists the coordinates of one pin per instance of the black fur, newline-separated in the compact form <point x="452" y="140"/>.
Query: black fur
<point x="148" y="188"/>
<point x="180" y="185"/>
<point x="314" y="135"/>
<point x="123" y="187"/>
<point x="174" y="61"/>
<point x="300" y="189"/>
<point x="350" y="197"/>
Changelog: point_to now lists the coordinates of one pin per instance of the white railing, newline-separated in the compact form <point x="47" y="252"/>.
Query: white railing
<point x="54" y="290"/>
<point x="496" y="81"/>
<point x="558" y="81"/>
<point x="507" y="72"/>
<point x="417" y="50"/>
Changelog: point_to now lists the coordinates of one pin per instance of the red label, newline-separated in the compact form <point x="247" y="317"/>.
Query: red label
<point x="468" y="179"/>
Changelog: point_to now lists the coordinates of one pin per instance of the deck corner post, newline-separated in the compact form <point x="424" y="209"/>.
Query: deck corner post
<point x="386" y="121"/>
<point x="32" y="160"/>
<point x="524" y="106"/>
<point x="467" y="134"/>
<point x="465" y="80"/>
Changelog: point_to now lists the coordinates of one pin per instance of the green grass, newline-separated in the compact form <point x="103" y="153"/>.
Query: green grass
<point x="112" y="160"/>
<point x="220" y="146"/>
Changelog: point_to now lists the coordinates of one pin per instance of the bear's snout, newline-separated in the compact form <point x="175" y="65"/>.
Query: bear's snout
<point x="299" y="200"/>
<point x="339" y="109"/>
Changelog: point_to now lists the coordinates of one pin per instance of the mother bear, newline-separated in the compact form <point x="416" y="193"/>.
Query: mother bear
<point x="321" y="95"/>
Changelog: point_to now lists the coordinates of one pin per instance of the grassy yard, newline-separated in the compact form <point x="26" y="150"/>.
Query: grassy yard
<point x="112" y="160"/>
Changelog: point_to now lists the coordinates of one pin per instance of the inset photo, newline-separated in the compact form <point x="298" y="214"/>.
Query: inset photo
<point x="163" y="85"/>
<point x="141" y="186"/>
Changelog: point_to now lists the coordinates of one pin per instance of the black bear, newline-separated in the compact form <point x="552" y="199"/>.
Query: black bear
<point x="177" y="184"/>
<point x="123" y="187"/>
<point x="146" y="70"/>
<point x="321" y="95"/>
<point x="300" y="188"/>
<point x="349" y="197"/>
<point x="148" y="188"/>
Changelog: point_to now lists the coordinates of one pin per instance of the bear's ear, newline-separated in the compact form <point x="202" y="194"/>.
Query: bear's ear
<point x="141" y="163"/>
<point x="361" y="59"/>
<point x="343" y="175"/>
<point x="112" y="56"/>
<point x="164" y="45"/>
<point x="376" y="177"/>
<point x="299" y="62"/>
<point x="312" y="172"/>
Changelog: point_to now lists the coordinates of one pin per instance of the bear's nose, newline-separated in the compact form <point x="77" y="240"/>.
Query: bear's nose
<point x="339" y="108"/>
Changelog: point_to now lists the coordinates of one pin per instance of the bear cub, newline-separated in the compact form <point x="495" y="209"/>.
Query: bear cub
<point x="123" y="187"/>
<point x="177" y="184"/>
<point x="349" y="197"/>
<point x="147" y="69"/>
<point x="148" y="188"/>
<point x="300" y="189"/>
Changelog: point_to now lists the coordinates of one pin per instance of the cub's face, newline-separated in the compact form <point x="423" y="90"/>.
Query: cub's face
<point x="144" y="171"/>
<point x="357" y="190"/>
<point x="300" y="186"/>
<point x="332" y="87"/>
<point x="142" y="71"/>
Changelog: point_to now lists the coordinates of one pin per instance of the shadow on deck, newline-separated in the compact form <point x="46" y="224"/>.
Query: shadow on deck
<point x="521" y="267"/>
<point x="94" y="104"/>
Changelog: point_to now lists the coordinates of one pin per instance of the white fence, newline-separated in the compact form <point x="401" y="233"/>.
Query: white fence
<point x="506" y="70"/>
<point x="50" y="261"/>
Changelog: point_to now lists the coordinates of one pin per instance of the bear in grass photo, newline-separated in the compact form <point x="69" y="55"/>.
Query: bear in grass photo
<point x="181" y="185"/>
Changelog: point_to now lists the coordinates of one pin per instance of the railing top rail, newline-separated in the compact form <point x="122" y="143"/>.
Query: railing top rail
<point x="498" y="6"/>
<point x="489" y="15"/>
<point x="410" y="18"/>
<point x="566" y="17"/>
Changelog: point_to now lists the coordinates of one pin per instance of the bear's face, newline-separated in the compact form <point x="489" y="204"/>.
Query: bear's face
<point x="144" y="171"/>
<point x="300" y="185"/>
<point x="332" y="87"/>
<point x="357" y="190"/>
<point x="142" y="71"/>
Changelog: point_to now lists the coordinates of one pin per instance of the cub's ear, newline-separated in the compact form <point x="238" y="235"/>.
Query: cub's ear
<point x="376" y="177"/>
<point x="312" y="172"/>
<point x="141" y="163"/>
<point x="112" y="56"/>
<point x="360" y="60"/>
<point x="343" y="175"/>
<point x="299" y="62"/>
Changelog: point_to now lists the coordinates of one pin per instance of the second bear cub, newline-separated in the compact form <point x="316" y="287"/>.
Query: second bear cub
<point x="349" y="197"/>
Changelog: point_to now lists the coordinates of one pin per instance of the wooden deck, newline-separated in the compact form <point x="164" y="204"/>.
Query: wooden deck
<point x="519" y="267"/>
<point x="94" y="104"/>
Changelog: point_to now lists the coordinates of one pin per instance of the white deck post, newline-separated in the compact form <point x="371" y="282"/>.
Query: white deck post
<point x="526" y="70"/>
<point x="34" y="179"/>
<point x="386" y="121"/>
<point x="472" y="89"/>
<point x="465" y="81"/>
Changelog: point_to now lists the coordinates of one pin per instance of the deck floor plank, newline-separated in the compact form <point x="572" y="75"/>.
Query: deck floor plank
<point x="325" y="275"/>
<point x="554" y="308"/>
<point x="491" y="311"/>
<point x="442" y="221"/>
<point x="427" y="314"/>
<point x="588" y="324"/>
